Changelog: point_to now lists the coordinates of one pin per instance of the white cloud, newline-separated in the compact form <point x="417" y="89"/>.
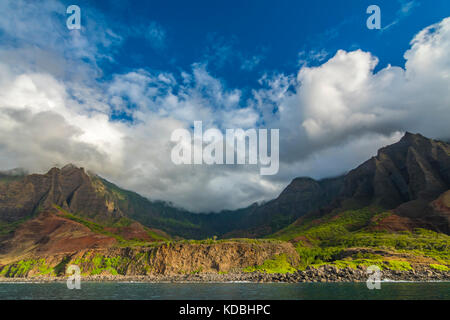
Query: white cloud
<point x="343" y="98"/>
<point x="311" y="56"/>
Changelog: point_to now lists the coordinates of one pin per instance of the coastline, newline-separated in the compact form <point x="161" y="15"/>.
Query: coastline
<point x="321" y="274"/>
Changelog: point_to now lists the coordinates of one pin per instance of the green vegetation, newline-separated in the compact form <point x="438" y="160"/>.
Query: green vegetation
<point x="60" y="268"/>
<point x="278" y="264"/>
<point x="23" y="268"/>
<point x="399" y="265"/>
<point x="332" y="226"/>
<point x="322" y="240"/>
<point x="344" y="239"/>
<point x="316" y="255"/>
<point x="89" y="265"/>
<point x="420" y="239"/>
<point x="439" y="267"/>
<point x="355" y="263"/>
<point x="98" y="264"/>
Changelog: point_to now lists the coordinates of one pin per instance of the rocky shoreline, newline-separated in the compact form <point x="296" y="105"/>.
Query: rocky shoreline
<point x="321" y="274"/>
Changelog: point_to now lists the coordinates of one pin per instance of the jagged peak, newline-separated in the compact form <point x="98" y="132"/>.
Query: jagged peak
<point x="306" y="179"/>
<point x="408" y="140"/>
<point x="417" y="138"/>
<point x="65" y="169"/>
<point x="410" y="137"/>
<point x="71" y="166"/>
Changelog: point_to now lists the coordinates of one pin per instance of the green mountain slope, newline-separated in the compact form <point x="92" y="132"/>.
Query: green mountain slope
<point x="365" y="237"/>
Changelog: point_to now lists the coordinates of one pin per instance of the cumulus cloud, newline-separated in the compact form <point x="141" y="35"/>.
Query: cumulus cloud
<point x="344" y="97"/>
<point x="343" y="101"/>
<point x="331" y="117"/>
<point x="42" y="125"/>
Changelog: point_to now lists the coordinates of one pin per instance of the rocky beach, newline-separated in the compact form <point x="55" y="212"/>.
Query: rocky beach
<point x="320" y="274"/>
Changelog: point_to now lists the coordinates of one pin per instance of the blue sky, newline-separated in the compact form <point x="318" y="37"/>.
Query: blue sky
<point x="242" y="40"/>
<point x="108" y="97"/>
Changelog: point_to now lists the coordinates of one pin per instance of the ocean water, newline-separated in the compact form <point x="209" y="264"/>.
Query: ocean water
<point x="225" y="291"/>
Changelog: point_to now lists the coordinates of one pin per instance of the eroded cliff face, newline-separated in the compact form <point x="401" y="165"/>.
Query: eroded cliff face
<point x="69" y="188"/>
<point x="415" y="169"/>
<point x="165" y="259"/>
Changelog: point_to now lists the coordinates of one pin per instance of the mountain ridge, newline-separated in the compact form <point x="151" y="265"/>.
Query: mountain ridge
<point x="397" y="200"/>
<point x="406" y="176"/>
